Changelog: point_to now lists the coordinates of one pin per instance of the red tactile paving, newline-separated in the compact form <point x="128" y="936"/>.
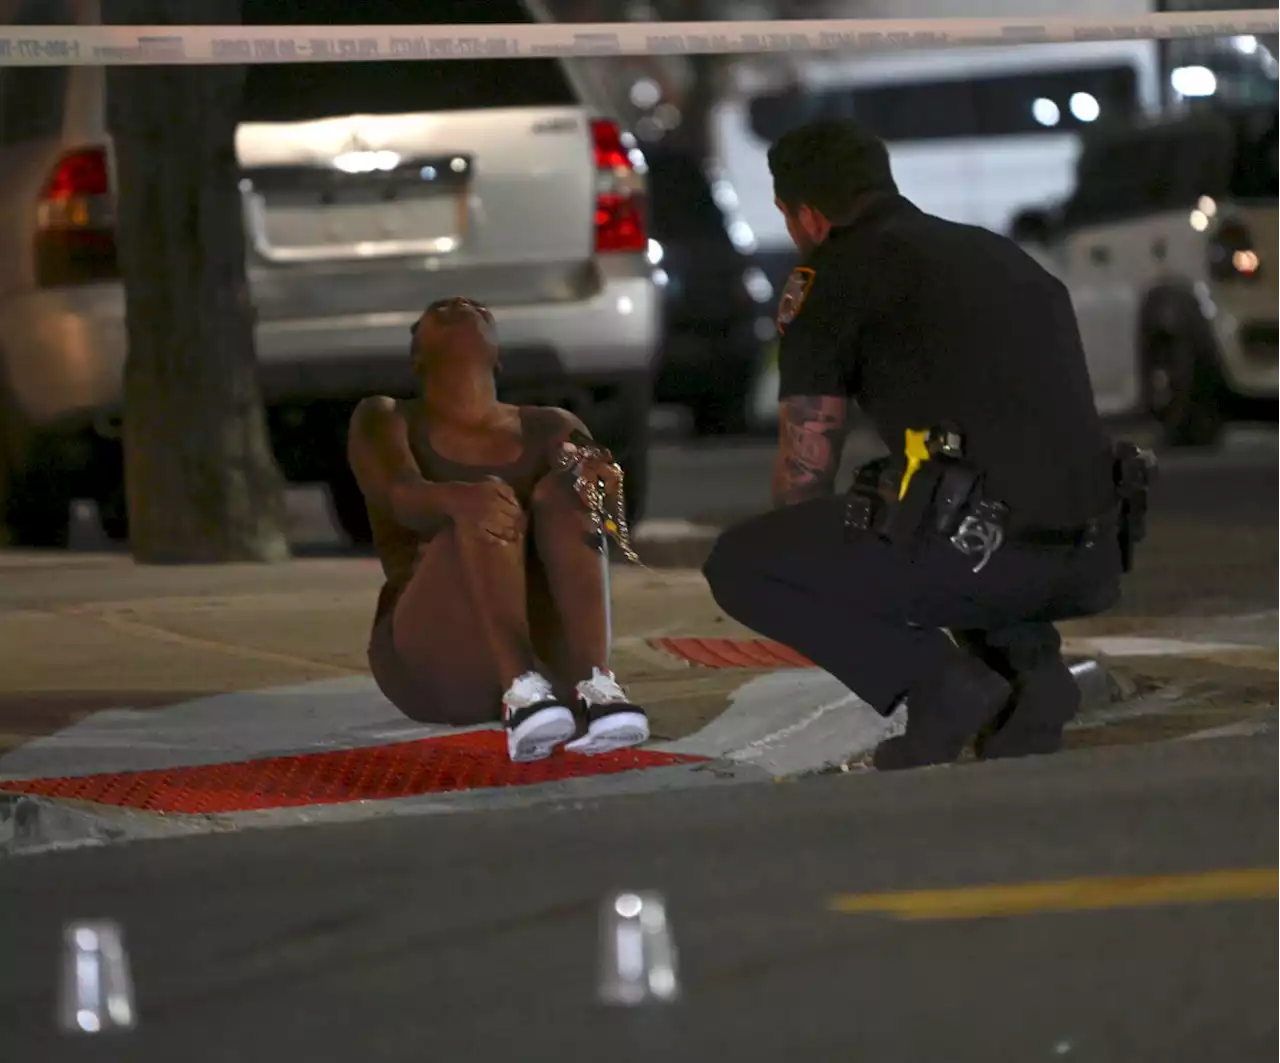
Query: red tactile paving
<point x="471" y="761"/>
<point x="732" y="653"/>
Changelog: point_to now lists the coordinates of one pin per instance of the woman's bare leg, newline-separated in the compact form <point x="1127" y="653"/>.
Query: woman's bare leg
<point x="573" y="627"/>
<point x="461" y="633"/>
<point x="494" y="575"/>
<point x="567" y="603"/>
<point x="461" y="629"/>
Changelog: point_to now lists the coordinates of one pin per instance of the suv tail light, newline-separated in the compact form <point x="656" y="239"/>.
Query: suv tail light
<point x="75" y="222"/>
<point x="1233" y="255"/>
<point x="620" y="220"/>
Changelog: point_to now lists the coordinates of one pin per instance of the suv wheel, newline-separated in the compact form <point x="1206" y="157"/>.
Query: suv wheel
<point x="35" y="496"/>
<point x="1184" y="391"/>
<point x="35" y="510"/>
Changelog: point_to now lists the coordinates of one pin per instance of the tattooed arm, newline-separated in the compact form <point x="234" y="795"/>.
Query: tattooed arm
<point x="813" y="429"/>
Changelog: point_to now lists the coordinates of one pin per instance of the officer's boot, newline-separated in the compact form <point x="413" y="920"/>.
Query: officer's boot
<point x="944" y="712"/>
<point x="1045" y="700"/>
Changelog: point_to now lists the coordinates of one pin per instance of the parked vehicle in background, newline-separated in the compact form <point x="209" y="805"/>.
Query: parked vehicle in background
<point x="718" y="311"/>
<point x="1168" y="245"/>
<point x="974" y="134"/>
<point x="369" y="190"/>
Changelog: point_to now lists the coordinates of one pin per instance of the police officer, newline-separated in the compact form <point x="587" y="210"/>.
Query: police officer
<point x="938" y="579"/>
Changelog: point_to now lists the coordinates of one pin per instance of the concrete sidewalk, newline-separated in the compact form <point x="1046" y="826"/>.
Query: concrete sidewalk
<point x="110" y="668"/>
<point x="83" y="634"/>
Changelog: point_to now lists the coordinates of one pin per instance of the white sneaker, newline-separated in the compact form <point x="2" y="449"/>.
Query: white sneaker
<point x="535" y="720"/>
<point x="613" y="722"/>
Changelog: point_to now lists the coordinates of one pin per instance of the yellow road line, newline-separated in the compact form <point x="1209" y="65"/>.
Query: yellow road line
<point x="1068" y="895"/>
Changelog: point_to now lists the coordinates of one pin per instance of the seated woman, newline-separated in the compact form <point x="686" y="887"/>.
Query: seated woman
<point x="494" y="603"/>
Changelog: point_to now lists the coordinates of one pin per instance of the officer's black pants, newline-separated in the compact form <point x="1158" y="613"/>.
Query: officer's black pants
<point x="874" y="617"/>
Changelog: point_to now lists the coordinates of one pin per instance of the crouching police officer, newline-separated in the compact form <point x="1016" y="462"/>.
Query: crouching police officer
<point x="1002" y="505"/>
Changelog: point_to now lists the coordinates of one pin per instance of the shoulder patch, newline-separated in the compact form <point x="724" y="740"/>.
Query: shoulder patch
<point x="793" y="296"/>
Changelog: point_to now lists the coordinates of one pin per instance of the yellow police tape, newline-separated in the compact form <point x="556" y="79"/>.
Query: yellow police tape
<point x="182" y="45"/>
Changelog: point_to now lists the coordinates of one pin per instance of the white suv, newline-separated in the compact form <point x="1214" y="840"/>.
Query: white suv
<point x="1168" y="246"/>
<point x="370" y="189"/>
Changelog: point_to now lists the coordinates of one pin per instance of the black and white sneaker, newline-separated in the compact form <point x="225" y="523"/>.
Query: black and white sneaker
<point x="535" y="720"/>
<point x="613" y="722"/>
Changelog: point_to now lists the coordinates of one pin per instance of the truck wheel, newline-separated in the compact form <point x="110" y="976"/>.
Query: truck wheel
<point x="346" y="503"/>
<point x="113" y="514"/>
<point x="36" y="509"/>
<point x="1184" y="391"/>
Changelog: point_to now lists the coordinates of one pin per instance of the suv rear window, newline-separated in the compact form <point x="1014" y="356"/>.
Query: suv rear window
<point x="297" y="92"/>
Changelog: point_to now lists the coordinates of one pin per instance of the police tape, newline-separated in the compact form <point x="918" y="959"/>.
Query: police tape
<point x="171" y="45"/>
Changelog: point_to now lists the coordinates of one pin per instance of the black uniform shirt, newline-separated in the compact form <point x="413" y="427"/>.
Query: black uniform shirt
<point x="924" y="321"/>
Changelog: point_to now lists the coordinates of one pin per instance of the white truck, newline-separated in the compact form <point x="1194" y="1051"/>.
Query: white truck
<point x="976" y="135"/>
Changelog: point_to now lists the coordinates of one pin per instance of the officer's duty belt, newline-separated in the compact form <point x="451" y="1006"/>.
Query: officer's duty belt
<point x="945" y="502"/>
<point x="975" y="527"/>
<point x="1087" y="534"/>
<point x="941" y="499"/>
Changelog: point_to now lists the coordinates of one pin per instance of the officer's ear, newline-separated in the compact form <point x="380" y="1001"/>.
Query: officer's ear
<point x="815" y="224"/>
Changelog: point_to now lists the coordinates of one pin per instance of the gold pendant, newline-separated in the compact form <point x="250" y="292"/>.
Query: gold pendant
<point x="608" y="515"/>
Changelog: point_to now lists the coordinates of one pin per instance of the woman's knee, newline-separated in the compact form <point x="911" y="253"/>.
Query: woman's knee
<point x="554" y="492"/>
<point x="557" y="513"/>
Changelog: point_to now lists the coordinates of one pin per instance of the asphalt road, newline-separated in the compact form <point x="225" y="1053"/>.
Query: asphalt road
<point x="473" y="937"/>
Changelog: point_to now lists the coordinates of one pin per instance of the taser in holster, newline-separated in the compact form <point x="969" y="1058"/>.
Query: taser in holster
<point x="917" y="453"/>
<point x="934" y="484"/>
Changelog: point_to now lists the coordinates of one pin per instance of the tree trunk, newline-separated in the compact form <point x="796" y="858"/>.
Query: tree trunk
<point x="203" y="484"/>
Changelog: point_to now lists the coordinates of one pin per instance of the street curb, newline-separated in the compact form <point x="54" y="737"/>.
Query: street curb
<point x="30" y="825"/>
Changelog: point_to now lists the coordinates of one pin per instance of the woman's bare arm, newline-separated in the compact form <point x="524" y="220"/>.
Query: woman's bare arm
<point x="384" y="467"/>
<point x="568" y="428"/>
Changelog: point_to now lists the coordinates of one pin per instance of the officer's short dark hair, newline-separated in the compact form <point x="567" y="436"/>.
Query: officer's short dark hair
<point x="829" y="165"/>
